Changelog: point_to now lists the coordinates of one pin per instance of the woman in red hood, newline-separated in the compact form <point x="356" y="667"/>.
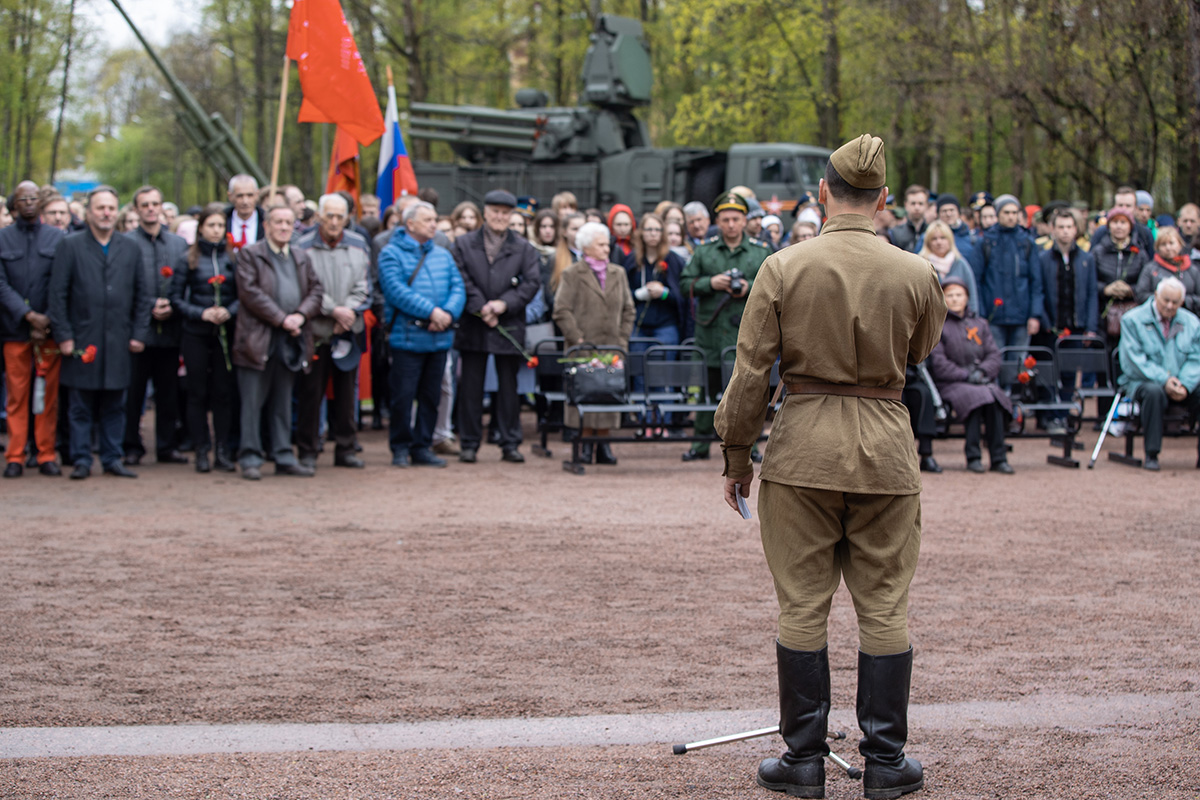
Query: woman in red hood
<point x="621" y="224"/>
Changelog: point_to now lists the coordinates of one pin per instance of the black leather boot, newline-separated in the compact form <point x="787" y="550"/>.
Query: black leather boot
<point x="604" y="455"/>
<point x="202" y="462"/>
<point x="883" y="683"/>
<point x="586" y="451"/>
<point x="803" y="723"/>
<point x="223" y="462"/>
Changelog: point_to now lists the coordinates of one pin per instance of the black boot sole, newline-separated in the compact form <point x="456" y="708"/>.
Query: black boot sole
<point x="893" y="792"/>
<point x="792" y="790"/>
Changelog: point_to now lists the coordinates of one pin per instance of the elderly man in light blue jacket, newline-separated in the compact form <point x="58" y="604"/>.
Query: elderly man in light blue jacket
<point x="423" y="295"/>
<point x="1160" y="360"/>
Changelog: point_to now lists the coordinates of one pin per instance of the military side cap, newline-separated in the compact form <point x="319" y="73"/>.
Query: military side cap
<point x="730" y="201"/>
<point x="980" y="199"/>
<point x="527" y="206"/>
<point x="861" y="162"/>
<point x="499" y="197"/>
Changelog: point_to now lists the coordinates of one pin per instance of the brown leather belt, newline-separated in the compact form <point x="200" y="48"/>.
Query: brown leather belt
<point x="845" y="390"/>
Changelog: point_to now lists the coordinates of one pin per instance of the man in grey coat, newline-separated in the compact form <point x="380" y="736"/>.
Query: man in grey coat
<point x="100" y="301"/>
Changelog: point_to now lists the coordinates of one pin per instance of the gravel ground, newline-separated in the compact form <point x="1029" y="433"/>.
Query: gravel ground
<point x="494" y="591"/>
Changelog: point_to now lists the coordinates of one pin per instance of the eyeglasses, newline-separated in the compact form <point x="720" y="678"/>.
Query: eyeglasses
<point x="652" y="230"/>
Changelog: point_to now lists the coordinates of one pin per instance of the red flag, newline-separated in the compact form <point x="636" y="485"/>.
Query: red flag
<point x="343" y="166"/>
<point x="333" y="79"/>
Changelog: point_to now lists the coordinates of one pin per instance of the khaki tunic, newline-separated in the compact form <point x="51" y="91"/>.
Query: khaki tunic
<point x="843" y="308"/>
<point x="586" y="313"/>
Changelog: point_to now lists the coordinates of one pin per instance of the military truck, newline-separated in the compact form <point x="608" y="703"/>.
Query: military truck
<point x="601" y="152"/>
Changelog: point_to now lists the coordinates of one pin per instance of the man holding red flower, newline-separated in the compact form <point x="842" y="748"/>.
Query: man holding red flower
<point x="100" y="297"/>
<point x="161" y="251"/>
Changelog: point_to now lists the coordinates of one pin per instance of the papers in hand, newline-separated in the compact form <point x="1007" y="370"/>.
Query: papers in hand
<point x="743" y="508"/>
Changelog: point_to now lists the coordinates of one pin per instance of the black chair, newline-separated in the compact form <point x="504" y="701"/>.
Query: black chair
<point x="1076" y="353"/>
<point x="681" y="366"/>
<point x="1040" y="392"/>
<point x="624" y="406"/>
<point x="633" y="366"/>
<point x="548" y="376"/>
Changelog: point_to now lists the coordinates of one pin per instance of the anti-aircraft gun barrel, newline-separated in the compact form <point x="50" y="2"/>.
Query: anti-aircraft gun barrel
<point x="210" y="133"/>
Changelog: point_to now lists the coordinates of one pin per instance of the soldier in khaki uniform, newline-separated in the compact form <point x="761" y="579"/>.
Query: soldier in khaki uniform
<point x="840" y="492"/>
<point x="720" y="301"/>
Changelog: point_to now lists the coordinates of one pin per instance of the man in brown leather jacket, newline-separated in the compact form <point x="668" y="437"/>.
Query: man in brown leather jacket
<point x="840" y="492"/>
<point x="279" y="292"/>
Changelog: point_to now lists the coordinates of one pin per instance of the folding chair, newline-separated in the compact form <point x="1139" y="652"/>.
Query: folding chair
<point x="1041" y="393"/>
<point x="548" y="375"/>
<point x="625" y="406"/>
<point x="1086" y="354"/>
<point x="681" y="368"/>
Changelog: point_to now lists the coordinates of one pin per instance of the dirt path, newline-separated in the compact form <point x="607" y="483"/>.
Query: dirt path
<point x="494" y="592"/>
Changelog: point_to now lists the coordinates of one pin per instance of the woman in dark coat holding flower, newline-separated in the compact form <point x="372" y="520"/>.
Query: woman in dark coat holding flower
<point x="204" y="293"/>
<point x="964" y="365"/>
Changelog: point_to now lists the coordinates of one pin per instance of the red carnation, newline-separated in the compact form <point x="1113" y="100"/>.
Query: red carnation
<point x="999" y="302"/>
<point x="166" y="272"/>
<point x="89" y="354"/>
<point x="1024" y="377"/>
<point x="1065" y="332"/>
<point x="1030" y="362"/>
<point x="532" y="362"/>
<point x="216" y="280"/>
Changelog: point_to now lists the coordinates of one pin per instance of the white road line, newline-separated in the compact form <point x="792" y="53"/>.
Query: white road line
<point x="1071" y="712"/>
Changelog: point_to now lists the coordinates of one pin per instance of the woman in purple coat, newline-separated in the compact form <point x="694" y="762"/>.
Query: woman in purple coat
<point x="964" y="365"/>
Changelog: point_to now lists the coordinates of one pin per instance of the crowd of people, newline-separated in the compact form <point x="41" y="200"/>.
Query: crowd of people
<point x="249" y="318"/>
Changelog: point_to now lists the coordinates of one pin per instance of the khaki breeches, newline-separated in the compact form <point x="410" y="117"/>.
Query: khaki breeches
<point x="812" y="538"/>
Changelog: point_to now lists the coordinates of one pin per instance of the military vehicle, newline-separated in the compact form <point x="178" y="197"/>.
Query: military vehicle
<point x="601" y="152"/>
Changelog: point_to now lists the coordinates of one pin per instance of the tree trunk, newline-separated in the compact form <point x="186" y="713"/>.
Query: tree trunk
<point x="62" y="103"/>
<point x="829" y="110"/>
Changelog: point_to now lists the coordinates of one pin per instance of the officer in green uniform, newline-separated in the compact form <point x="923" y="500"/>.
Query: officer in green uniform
<point x="721" y="294"/>
<point x="840" y="492"/>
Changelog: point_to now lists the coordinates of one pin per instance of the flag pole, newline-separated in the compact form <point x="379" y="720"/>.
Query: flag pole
<point x="283" y="93"/>
<point x="389" y="74"/>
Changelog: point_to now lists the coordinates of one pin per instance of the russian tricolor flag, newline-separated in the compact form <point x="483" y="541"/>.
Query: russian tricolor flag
<point x="396" y="176"/>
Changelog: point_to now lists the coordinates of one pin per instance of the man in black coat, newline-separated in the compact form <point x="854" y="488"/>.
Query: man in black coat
<point x="500" y="271"/>
<point x="26" y="255"/>
<point x="160" y="250"/>
<point x="100" y="301"/>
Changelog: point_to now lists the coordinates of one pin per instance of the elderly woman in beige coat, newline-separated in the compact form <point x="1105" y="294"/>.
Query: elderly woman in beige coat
<point x="593" y="306"/>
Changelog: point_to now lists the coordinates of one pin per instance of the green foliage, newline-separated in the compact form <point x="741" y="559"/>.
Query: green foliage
<point x="1047" y="98"/>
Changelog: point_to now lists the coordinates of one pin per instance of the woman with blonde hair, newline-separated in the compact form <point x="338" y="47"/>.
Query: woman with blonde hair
<point x="565" y="253"/>
<point x="939" y="249"/>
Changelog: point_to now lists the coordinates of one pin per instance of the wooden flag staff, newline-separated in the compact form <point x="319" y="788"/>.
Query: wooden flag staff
<point x="283" y="93"/>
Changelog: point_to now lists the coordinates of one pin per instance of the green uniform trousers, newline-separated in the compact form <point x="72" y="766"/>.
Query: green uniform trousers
<point x="813" y="537"/>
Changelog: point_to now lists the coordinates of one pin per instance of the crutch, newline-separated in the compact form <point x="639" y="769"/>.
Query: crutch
<point x="680" y="749"/>
<point x="1112" y="412"/>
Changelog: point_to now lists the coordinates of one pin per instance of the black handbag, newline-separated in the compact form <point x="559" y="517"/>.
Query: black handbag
<point x="594" y="384"/>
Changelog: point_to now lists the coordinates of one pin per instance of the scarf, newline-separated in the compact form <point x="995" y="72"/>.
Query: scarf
<point x="492" y="242"/>
<point x="599" y="266"/>
<point x="1179" y="263"/>
<point x="942" y="263"/>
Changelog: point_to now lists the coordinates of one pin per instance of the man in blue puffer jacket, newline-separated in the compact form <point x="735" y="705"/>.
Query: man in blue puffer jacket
<point x="423" y="296"/>
<point x="1008" y="271"/>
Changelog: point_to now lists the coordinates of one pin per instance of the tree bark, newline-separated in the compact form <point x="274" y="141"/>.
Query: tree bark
<point x="62" y="102"/>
